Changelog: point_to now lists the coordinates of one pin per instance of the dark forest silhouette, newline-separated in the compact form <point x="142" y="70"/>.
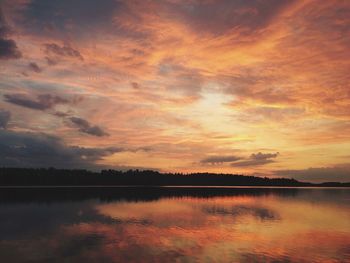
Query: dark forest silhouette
<point x="65" y="177"/>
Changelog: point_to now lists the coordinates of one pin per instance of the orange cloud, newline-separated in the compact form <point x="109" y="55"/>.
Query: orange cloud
<point x="187" y="79"/>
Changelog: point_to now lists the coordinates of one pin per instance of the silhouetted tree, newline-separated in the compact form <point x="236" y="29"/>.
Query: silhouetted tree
<point x="64" y="177"/>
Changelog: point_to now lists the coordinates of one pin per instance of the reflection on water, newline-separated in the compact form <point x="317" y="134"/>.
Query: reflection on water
<point x="175" y="225"/>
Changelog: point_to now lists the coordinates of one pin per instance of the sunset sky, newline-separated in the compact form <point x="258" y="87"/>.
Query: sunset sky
<point x="253" y="87"/>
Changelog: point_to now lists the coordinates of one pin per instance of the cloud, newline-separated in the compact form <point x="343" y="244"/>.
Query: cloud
<point x="4" y="28"/>
<point x="285" y="66"/>
<point x="42" y="102"/>
<point x="220" y="159"/>
<point x="78" y="17"/>
<point x="64" y="51"/>
<point x="51" y="61"/>
<point x="247" y="86"/>
<point x="45" y="102"/>
<point x="256" y="114"/>
<point x="337" y="173"/>
<point x="5" y="117"/>
<point x="61" y="114"/>
<point x="257" y="159"/>
<point x="179" y="77"/>
<point x="312" y="56"/>
<point x="85" y="127"/>
<point x="216" y="17"/>
<point x="34" y="67"/>
<point x="8" y="47"/>
<point x="18" y="149"/>
<point x="263" y="156"/>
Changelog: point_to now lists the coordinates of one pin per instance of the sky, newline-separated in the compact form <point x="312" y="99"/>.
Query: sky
<point x="227" y="86"/>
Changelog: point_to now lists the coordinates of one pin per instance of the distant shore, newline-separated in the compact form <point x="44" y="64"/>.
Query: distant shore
<point x="78" y="178"/>
<point x="344" y="185"/>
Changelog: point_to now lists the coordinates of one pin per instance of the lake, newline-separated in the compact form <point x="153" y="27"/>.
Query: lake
<point x="175" y="224"/>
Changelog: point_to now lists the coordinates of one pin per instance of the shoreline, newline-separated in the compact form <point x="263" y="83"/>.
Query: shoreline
<point x="164" y="186"/>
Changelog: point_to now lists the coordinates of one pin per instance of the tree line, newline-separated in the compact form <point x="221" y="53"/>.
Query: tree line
<point x="76" y="177"/>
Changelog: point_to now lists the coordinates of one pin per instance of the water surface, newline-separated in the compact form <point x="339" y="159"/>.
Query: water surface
<point x="175" y="225"/>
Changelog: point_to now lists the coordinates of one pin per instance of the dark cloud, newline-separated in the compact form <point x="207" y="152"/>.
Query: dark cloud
<point x="220" y="159"/>
<point x="8" y="47"/>
<point x="218" y="17"/>
<point x="5" y="117"/>
<point x="337" y="173"/>
<point x="257" y="159"/>
<point x="85" y="127"/>
<point x="61" y="114"/>
<point x="42" y="102"/>
<point x="19" y="149"/>
<point x="34" y="67"/>
<point x="254" y="159"/>
<point x="51" y="61"/>
<point x="263" y="156"/>
<point x="45" y="102"/>
<point x="65" y="16"/>
<point x="4" y="28"/>
<point x="64" y="51"/>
